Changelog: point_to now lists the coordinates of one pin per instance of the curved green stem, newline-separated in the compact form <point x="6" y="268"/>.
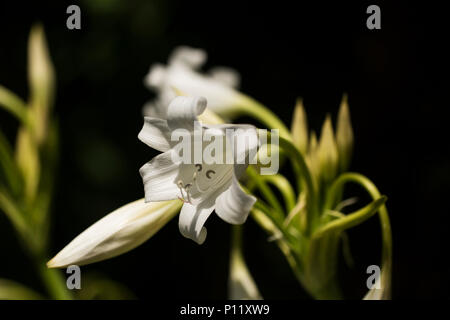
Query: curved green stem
<point x="266" y="192"/>
<point x="53" y="281"/>
<point x="303" y="173"/>
<point x="268" y="225"/>
<point x="291" y="240"/>
<point x="386" y="232"/>
<point x="285" y="188"/>
<point x="8" y="165"/>
<point x="14" y="104"/>
<point x="253" y="108"/>
<point x="353" y="219"/>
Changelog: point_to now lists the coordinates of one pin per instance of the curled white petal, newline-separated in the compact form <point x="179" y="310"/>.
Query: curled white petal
<point x="234" y="205"/>
<point x="192" y="218"/>
<point x="183" y="111"/>
<point x="118" y="232"/>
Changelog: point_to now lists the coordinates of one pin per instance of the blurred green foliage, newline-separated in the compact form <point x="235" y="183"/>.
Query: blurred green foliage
<point x="28" y="174"/>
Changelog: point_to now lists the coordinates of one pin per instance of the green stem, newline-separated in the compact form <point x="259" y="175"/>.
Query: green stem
<point x="14" y="104"/>
<point x="289" y="238"/>
<point x="353" y="219"/>
<point x="303" y="173"/>
<point x="269" y="226"/>
<point x="285" y="189"/>
<point x="236" y="241"/>
<point x="8" y="165"/>
<point x="53" y="280"/>
<point x="386" y="232"/>
<point x="253" y="108"/>
<point x="266" y="192"/>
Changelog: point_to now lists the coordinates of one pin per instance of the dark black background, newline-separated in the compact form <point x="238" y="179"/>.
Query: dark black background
<point x="283" y="51"/>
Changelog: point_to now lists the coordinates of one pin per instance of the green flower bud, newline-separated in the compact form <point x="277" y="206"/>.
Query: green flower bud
<point x="344" y="135"/>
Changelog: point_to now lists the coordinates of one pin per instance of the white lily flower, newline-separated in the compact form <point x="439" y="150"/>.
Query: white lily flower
<point x="203" y="187"/>
<point x="118" y="232"/>
<point x="182" y="72"/>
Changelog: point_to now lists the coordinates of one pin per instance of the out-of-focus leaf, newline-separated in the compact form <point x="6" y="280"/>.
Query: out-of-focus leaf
<point x="284" y="187"/>
<point x="299" y="127"/>
<point x="27" y="158"/>
<point x="328" y="154"/>
<point x="40" y="209"/>
<point x="265" y="222"/>
<point x="348" y="258"/>
<point x="8" y="165"/>
<point x="344" y="135"/>
<point x="96" y="286"/>
<point x="241" y="285"/>
<point x="41" y="77"/>
<point x="55" y="281"/>
<point x="275" y="233"/>
<point x="297" y="215"/>
<point x="320" y="275"/>
<point x="11" y="210"/>
<point x="14" y="104"/>
<point x="278" y="211"/>
<point x="11" y="290"/>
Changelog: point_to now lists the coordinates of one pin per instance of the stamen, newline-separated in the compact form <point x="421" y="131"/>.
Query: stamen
<point x="186" y="189"/>
<point x="182" y="198"/>
<point x="209" y="172"/>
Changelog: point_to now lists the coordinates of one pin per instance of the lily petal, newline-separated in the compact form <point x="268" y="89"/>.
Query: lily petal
<point x="183" y="111"/>
<point x="192" y="57"/>
<point x="118" y="232"/>
<point x="182" y="73"/>
<point x="156" y="76"/>
<point x="234" y="205"/>
<point x="159" y="176"/>
<point x="226" y="76"/>
<point x="192" y="219"/>
<point x="155" y="134"/>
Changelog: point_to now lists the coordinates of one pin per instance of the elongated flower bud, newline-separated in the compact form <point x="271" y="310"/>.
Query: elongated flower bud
<point x="120" y="231"/>
<point x="344" y="135"/>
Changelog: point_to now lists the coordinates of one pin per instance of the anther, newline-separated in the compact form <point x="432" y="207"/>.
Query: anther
<point x="209" y="172"/>
<point x="186" y="188"/>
